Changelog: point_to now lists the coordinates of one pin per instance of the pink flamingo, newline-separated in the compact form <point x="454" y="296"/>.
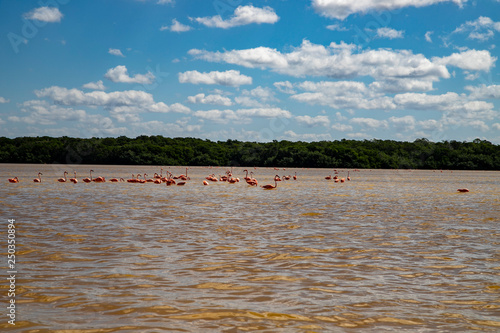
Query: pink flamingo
<point x="269" y="186"/>
<point x="39" y="179"/>
<point x="88" y="180"/>
<point x="14" y="180"/>
<point x="99" y="179"/>
<point x="132" y="180"/>
<point x="74" y="180"/>
<point x="212" y="178"/>
<point x="252" y="181"/>
<point x="114" y="180"/>
<point x="148" y="180"/>
<point x="183" y="177"/>
<point x="169" y="180"/>
<point x="63" y="180"/>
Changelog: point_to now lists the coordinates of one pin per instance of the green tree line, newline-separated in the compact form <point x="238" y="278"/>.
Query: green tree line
<point x="159" y="150"/>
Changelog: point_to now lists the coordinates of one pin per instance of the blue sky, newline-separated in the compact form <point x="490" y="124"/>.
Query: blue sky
<point x="251" y="70"/>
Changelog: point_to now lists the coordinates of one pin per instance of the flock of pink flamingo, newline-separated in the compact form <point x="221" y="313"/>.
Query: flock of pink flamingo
<point x="337" y="179"/>
<point x="182" y="179"/>
<point x="179" y="180"/>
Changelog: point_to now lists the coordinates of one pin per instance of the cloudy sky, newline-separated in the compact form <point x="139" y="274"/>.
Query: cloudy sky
<point x="251" y="70"/>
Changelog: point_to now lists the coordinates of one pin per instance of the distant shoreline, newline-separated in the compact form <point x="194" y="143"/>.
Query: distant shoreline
<point x="159" y="150"/>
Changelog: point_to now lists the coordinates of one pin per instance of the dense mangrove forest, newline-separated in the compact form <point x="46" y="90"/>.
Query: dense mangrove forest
<point x="159" y="150"/>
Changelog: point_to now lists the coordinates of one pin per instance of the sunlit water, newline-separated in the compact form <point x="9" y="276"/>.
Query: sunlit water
<point x="388" y="251"/>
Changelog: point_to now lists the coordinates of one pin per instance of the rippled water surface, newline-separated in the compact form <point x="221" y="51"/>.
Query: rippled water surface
<point x="388" y="251"/>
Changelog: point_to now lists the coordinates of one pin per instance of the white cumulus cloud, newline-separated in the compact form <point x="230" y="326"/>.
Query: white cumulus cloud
<point x="210" y="99"/>
<point x="242" y="116"/>
<point x="116" y="52"/>
<point x="450" y="102"/>
<point x="123" y="105"/>
<point x="482" y="29"/>
<point x="370" y="123"/>
<point x="469" y="60"/>
<point x="313" y="121"/>
<point x="285" y="87"/>
<point x="99" y="85"/>
<point x="428" y="36"/>
<point x="243" y="15"/>
<point x="258" y="97"/>
<point x="484" y="92"/>
<point x="227" y="78"/>
<point x="342" y="95"/>
<point x="120" y="74"/>
<point x="405" y="123"/>
<point x="340" y="9"/>
<point x="45" y="14"/>
<point x="389" y="33"/>
<point x="176" y="26"/>
<point x="291" y="135"/>
<point x="337" y="61"/>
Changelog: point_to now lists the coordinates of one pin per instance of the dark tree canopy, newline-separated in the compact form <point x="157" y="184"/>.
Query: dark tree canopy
<point x="159" y="150"/>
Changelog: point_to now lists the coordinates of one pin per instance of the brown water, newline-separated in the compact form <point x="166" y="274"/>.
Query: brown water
<point x="388" y="251"/>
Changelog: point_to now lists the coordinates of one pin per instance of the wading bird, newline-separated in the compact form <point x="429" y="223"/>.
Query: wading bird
<point x="252" y="181"/>
<point x="269" y="186"/>
<point x="14" y="180"/>
<point x="169" y="180"/>
<point x="88" y="180"/>
<point x="114" y="180"/>
<point x="132" y="180"/>
<point x="183" y="177"/>
<point x="39" y="179"/>
<point x="99" y="179"/>
<point x="63" y="180"/>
